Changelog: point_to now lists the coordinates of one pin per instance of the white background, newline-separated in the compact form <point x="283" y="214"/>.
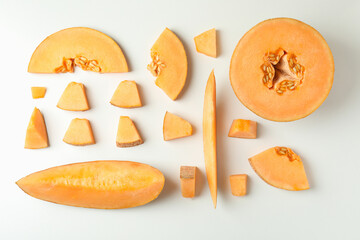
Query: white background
<point x="327" y="140"/>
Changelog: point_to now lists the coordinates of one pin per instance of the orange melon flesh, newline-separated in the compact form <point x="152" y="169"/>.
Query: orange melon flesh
<point x="79" y="46"/>
<point x="98" y="184"/>
<point x="169" y="63"/>
<point x="205" y="43"/>
<point x="79" y="133"/>
<point x="127" y="134"/>
<point x="38" y="92"/>
<point x="175" y="127"/>
<point x="126" y="95"/>
<point x="241" y="128"/>
<point x="238" y="184"/>
<point x="188" y="178"/>
<point x="209" y="136"/>
<point x="36" y="134"/>
<point x="74" y="98"/>
<point x="281" y="168"/>
<point x="286" y="38"/>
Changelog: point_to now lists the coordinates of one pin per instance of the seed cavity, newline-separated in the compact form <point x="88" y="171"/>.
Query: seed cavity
<point x="156" y="66"/>
<point x="79" y="61"/>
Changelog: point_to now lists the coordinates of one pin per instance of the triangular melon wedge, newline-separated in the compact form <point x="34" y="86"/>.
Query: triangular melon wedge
<point x="175" y="127"/>
<point x="78" y="46"/>
<point x="126" y="95"/>
<point x="209" y="136"/>
<point x="169" y="63"/>
<point x="127" y="134"/>
<point x="36" y="134"/>
<point x="79" y="133"/>
<point x="206" y="43"/>
<point x="74" y="98"/>
<point x="281" y="168"/>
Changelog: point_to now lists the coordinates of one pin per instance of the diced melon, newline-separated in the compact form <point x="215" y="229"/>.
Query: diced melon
<point x="79" y="133"/>
<point x="126" y="95"/>
<point x="241" y="128"/>
<point x="36" y="134"/>
<point x="127" y="134"/>
<point x="38" y="92"/>
<point x="175" y="127"/>
<point x="206" y="43"/>
<point x="238" y="184"/>
<point x="74" y="98"/>
<point x="188" y="178"/>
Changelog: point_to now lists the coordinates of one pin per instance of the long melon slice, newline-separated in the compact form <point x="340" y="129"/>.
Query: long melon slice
<point x="97" y="184"/>
<point x="209" y="135"/>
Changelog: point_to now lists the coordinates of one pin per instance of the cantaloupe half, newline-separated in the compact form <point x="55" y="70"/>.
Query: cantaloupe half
<point x="175" y="127"/>
<point x="126" y="95"/>
<point x="205" y="43"/>
<point x="84" y="47"/>
<point x="97" y="184"/>
<point x="36" y="134"/>
<point x="282" y="69"/>
<point x="38" y="92"/>
<point x="209" y="135"/>
<point x="127" y="134"/>
<point x="281" y="168"/>
<point x="74" y="98"/>
<point x="79" y="133"/>
<point x="169" y="63"/>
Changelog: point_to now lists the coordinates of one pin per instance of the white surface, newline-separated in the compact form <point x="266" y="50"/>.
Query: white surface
<point x="327" y="140"/>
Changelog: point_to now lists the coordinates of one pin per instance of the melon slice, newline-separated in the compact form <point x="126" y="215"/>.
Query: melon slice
<point x="74" y="98"/>
<point x="126" y="95"/>
<point x="38" y="92"/>
<point x="206" y="43"/>
<point x="241" y="128"/>
<point x="188" y="178"/>
<point x="175" y="127"/>
<point x="127" y="134"/>
<point x="79" y="46"/>
<point x="209" y="135"/>
<point x="169" y="63"/>
<point x="97" y="184"/>
<point x="282" y="69"/>
<point x="36" y="134"/>
<point x="238" y="184"/>
<point x="281" y="168"/>
<point x="79" y="133"/>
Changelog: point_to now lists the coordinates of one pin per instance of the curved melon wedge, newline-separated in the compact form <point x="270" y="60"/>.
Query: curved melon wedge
<point x="98" y="184"/>
<point x="79" y="46"/>
<point x="169" y="63"/>
<point x="281" y="168"/>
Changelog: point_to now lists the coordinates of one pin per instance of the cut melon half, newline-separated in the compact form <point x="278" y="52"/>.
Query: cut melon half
<point x="84" y="47"/>
<point x="281" y="168"/>
<point x="175" y="127"/>
<point x="169" y="63"/>
<point x="205" y="43"/>
<point x="74" y="98"/>
<point x="127" y="134"/>
<point x="36" y="134"/>
<point x="79" y="133"/>
<point x="126" y="95"/>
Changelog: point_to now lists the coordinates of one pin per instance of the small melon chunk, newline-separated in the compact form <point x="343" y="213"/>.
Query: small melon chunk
<point x="127" y="134"/>
<point x="206" y="43"/>
<point x="238" y="184"/>
<point x="126" y="95"/>
<point x="175" y="127"/>
<point x="187" y="178"/>
<point x="36" y="134"/>
<point x="79" y="133"/>
<point x="38" y="92"/>
<point x="281" y="168"/>
<point x="96" y="184"/>
<point x="241" y="128"/>
<point x="169" y="63"/>
<point x="74" y="98"/>
<point x="209" y="135"/>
